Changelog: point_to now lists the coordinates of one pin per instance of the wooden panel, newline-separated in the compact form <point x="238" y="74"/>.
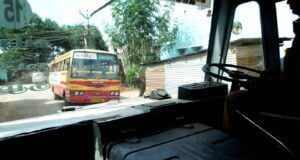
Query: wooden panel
<point x="155" y="78"/>
<point x="250" y="56"/>
<point x="231" y="57"/>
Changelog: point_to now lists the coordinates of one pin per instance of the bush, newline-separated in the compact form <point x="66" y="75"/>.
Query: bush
<point x="132" y="77"/>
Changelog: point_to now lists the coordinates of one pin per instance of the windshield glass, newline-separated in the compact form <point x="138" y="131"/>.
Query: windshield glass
<point x="95" y="65"/>
<point x="138" y="79"/>
<point x="56" y="54"/>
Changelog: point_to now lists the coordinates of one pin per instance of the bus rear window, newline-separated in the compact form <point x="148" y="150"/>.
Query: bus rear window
<point x="95" y="65"/>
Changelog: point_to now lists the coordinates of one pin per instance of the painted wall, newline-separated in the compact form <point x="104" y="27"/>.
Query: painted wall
<point x="172" y="73"/>
<point x="185" y="70"/>
<point x="194" y="26"/>
<point x="4" y="74"/>
<point x="193" y="30"/>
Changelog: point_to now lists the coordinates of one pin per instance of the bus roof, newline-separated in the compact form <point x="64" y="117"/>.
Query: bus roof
<point x="67" y="54"/>
<point x="93" y="50"/>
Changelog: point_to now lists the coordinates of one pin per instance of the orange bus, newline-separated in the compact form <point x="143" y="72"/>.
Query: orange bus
<point x="85" y="76"/>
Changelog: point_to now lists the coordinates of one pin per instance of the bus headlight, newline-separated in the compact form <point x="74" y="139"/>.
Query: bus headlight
<point x="78" y="93"/>
<point x="114" y="93"/>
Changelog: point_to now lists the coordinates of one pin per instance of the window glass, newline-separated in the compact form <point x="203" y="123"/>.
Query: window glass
<point x="61" y="65"/>
<point x="55" y="67"/>
<point x="95" y="66"/>
<point x="285" y="19"/>
<point x="66" y="64"/>
<point x="144" y="45"/>
<point x="245" y="47"/>
<point x="58" y="66"/>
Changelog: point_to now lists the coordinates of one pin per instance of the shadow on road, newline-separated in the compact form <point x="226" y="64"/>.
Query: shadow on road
<point x="20" y="109"/>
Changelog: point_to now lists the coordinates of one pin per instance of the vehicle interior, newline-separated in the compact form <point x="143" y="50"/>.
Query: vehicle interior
<point x="243" y="110"/>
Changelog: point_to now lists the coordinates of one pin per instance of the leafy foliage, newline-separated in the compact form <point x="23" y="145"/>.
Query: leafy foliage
<point x="131" y="76"/>
<point x="37" y="42"/>
<point x="25" y="45"/>
<point x="75" y="36"/>
<point x="141" y="29"/>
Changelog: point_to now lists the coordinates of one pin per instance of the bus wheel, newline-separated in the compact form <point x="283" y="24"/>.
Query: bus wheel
<point x="66" y="102"/>
<point x="56" y="97"/>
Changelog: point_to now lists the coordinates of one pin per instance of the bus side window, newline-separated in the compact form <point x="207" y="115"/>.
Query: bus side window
<point x="54" y="67"/>
<point x="64" y="65"/>
<point x="58" y="66"/>
<point x="61" y="65"/>
<point x="67" y="64"/>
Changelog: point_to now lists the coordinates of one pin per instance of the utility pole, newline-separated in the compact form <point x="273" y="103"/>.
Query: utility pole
<point x="87" y="29"/>
<point x="87" y="17"/>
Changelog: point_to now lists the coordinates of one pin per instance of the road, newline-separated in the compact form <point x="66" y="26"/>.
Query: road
<point x="35" y="103"/>
<point x="28" y="104"/>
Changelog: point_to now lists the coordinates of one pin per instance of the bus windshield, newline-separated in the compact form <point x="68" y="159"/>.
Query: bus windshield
<point x="95" y="66"/>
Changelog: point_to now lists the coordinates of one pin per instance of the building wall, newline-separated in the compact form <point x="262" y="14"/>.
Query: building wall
<point x="169" y="75"/>
<point x="193" y="30"/>
<point x="185" y="70"/>
<point x="155" y="78"/>
<point x="3" y="74"/>
<point x="250" y="56"/>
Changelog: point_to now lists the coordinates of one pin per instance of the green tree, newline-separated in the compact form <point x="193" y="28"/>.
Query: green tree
<point x="75" y="39"/>
<point x="141" y="29"/>
<point x="95" y="39"/>
<point x="36" y="42"/>
<point x="27" y="45"/>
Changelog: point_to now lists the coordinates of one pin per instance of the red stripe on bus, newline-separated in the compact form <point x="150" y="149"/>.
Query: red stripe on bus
<point x="87" y="83"/>
<point x="65" y="83"/>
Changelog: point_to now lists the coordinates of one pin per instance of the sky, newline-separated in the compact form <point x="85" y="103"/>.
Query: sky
<point x="66" y="12"/>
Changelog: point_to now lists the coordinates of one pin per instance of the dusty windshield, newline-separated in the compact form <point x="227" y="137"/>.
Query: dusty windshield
<point x="73" y="53"/>
<point x="93" y="65"/>
<point x="49" y="51"/>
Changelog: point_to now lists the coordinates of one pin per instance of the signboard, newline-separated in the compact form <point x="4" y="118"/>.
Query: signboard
<point x="14" y="14"/>
<point x="79" y="55"/>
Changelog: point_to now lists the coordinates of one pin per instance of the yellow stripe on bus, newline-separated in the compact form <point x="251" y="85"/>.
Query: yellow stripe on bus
<point x="81" y="87"/>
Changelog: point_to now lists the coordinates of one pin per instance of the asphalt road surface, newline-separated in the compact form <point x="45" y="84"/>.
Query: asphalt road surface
<point x="28" y="104"/>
